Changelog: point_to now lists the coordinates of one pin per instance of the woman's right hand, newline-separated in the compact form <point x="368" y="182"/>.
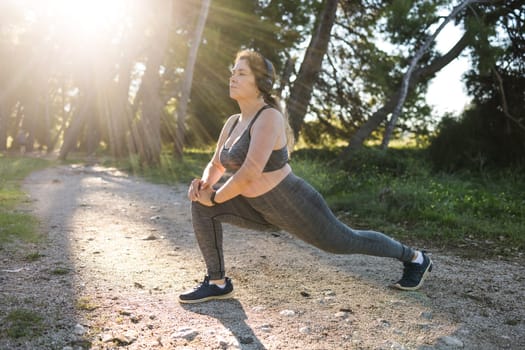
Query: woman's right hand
<point x="196" y="186"/>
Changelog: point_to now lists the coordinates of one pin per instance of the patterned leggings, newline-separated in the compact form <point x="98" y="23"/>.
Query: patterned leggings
<point x="293" y="206"/>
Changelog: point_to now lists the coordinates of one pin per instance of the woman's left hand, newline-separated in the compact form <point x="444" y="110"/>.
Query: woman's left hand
<point x="196" y="186"/>
<point x="205" y="196"/>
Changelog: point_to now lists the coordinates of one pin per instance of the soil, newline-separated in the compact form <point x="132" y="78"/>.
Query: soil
<point x="118" y="250"/>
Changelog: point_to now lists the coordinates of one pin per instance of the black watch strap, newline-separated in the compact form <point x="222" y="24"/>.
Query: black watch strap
<point x="212" y="197"/>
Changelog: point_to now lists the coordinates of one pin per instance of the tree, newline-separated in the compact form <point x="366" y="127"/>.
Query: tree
<point x="188" y="78"/>
<point x="491" y="132"/>
<point x="358" y="73"/>
<point x="147" y="128"/>
<point x="301" y="90"/>
<point x="413" y="62"/>
<point x="422" y="73"/>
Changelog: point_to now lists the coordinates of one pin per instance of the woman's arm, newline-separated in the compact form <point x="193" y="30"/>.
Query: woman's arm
<point x="214" y="169"/>
<point x="212" y="173"/>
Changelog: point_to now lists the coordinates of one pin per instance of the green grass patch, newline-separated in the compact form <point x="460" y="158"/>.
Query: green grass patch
<point x="19" y="225"/>
<point x="13" y="224"/>
<point x="60" y="271"/>
<point x="85" y="304"/>
<point x="23" y="323"/>
<point x="32" y="257"/>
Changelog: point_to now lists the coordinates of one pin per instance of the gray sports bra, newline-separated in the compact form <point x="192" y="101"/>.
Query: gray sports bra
<point x="233" y="157"/>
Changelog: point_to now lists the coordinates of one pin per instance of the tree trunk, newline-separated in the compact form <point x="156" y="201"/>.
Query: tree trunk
<point x="403" y="91"/>
<point x="301" y="91"/>
<point x="356" y="141"/>
<point x="72" y="133"/>
<point x="118" y="110"/>
<point x="184" y="97"/>
<point x="47" y="129"/>
<point x="30" y="116"/>
<point x="118" y="107"/>
<point x="3" y="124"/>
<point x="149" y="141"/>
<point x="92" y="131"/>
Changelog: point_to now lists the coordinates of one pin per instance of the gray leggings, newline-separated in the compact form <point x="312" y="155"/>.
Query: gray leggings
<point x="293" y="206"/>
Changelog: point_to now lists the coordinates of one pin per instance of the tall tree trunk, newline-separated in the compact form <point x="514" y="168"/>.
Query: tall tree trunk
<point x="3" y="124"/>
<point x="64" y="117"/>
<point x="301" y="91"/>
<point x="30" y="103"/>
<point x="118" y="106"/>
<point x="182" y="104"/>
<point x="92" y="132"/>
<point x="357" y="139"/>
<point x="403" y="91"/>
<point x="74" y="130"/>
<point x="149" y="140"/>
<point x="118" y="110"/>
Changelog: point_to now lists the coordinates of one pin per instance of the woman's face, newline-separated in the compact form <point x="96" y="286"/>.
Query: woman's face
<point x="242" y="81"/>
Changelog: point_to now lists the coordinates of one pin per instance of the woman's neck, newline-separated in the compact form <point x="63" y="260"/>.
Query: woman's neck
<point x="249" y="108"/>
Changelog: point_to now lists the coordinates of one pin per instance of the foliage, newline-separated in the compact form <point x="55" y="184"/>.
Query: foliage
<point x="481" y="139"/>
<point x="371" y="47"/>
<point x="491" y="133"/>
<point x="15" y="224"/>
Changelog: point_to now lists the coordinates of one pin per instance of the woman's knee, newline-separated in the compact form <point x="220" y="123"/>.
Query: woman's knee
<point x="332" y="248"/>
<point x="198" y="207"/>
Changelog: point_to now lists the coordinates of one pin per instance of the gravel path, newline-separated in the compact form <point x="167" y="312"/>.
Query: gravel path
<point x="118" y="251"/>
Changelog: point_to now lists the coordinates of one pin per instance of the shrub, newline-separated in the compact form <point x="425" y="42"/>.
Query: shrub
<point x="480" y="139"/>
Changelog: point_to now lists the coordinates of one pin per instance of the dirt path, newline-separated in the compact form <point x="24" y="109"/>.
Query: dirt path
<point x="119" y="250"/>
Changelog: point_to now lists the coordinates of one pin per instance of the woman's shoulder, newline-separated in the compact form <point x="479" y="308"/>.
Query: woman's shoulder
<point x="234" y="116"/>
<point x="231" y="120"/>
<point x="270" y="114"/>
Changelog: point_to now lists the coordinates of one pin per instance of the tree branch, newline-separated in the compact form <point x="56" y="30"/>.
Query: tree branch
<point x="407" y="77"/>
<point x="504" y="100"/>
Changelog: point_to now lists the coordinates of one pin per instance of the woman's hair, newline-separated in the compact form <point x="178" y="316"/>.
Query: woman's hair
<point x="264" y="73"/>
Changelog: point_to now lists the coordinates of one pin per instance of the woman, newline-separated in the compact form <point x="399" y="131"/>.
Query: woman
<point x="263" y="193"/>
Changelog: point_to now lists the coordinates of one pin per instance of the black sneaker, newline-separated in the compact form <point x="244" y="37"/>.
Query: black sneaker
<point x="206" y="291"/>
<point x="414" y="274"/>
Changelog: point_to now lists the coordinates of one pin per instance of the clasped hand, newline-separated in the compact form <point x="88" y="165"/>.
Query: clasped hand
<point x="200" y="191"/>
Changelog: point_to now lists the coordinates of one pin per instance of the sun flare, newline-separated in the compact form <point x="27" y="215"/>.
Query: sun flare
<point x="80" y="19"/>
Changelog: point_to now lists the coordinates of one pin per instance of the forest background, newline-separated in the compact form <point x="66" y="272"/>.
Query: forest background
<point x="145" y="82"/>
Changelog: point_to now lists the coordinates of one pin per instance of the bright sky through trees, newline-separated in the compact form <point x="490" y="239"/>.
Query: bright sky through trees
<point x="91" y="20"/>
<point x="446" y="92"/>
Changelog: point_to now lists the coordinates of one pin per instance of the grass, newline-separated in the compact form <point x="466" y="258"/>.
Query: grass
<point x="22" y="323"/>
<point x="32" y="257"/>
<point x="85" y="304"/>
<point x="15" y="224"/>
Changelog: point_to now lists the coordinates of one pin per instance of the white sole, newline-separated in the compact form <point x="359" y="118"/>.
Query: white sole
<point x="215" y="297"/>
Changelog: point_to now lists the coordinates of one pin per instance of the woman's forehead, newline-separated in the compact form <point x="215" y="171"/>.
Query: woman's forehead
<point x="241" y="64"/>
